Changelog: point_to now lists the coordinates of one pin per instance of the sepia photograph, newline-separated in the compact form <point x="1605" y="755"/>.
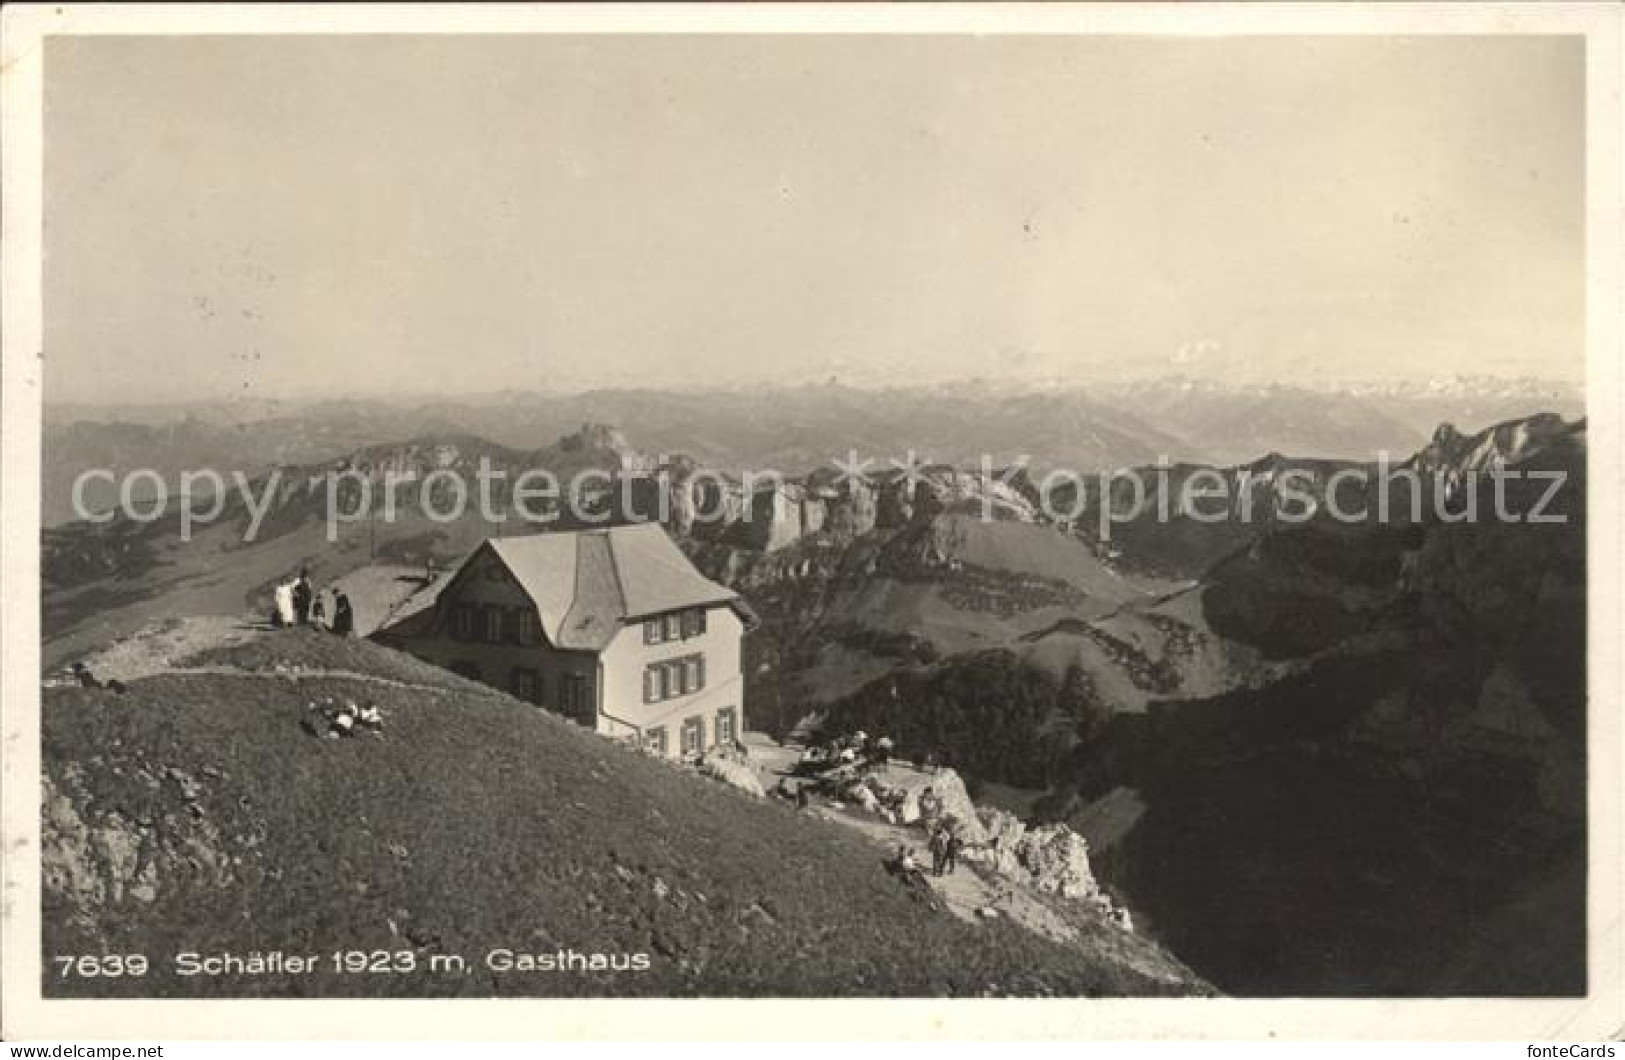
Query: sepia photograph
<point x="608" y="511"/>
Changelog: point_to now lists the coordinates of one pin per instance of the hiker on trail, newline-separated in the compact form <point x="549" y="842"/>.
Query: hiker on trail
<point x="930" y="807"/>
<point x="950" y="851"/>
<point x="802" y="798"/>
<point x="282" y="613"/>
<point x="303" y="594"/>
<point x="939" y="850"/>
<point x="318" y="612"/>
<point x="343" y="617"/>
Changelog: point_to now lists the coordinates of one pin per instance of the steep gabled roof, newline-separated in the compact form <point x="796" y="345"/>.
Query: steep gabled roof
<point x="585" y="583"/>
<point x="545" y="567"/>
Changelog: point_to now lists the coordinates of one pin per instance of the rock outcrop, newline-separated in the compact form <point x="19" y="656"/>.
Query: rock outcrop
<point x="101" y="859"/>
<point x="734" y="774"/>
<point x="1051" y="858"/>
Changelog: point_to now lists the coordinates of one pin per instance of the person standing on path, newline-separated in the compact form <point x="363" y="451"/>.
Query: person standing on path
<point x="939" y="851"/>
<point x="343" y="617"/>
<point x="303" y="596"/>
<point x="930" y="808"/>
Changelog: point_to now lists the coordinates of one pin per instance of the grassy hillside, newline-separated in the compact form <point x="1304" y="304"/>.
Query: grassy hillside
<point x="194" y="813"/>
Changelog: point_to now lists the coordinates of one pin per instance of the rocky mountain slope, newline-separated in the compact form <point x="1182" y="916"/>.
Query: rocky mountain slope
<point x="1245" y="683"/>
<point x="1347" y="737"/>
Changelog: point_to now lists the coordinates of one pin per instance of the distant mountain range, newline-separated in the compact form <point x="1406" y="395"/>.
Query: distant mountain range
<point x="796" y="429"/>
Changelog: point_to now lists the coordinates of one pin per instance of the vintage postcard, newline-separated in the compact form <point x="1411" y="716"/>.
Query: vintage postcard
<point x="1070" y="520"/>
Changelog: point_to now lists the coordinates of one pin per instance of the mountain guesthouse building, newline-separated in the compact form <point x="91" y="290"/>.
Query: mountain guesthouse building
<point x="612" y="627"/>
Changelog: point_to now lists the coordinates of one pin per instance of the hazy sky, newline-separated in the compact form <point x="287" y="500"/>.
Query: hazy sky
<point x="266" y="216"/>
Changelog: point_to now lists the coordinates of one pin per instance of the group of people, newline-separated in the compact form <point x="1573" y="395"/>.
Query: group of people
<point x="945" y="845"/>
<point x="299" y="604"/>
<point x="945" y="842"/>
<point x="341" y="720"/>
<point x="856" y="749"/>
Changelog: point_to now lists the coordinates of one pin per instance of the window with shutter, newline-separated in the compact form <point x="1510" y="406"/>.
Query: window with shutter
<point x="699" y="621"/>
<point x="651" y="684"/>
<point x="493" y="625"/>
<point x="725" y="725"/>
<point x="651" y="631"/>
<point x="672" y="627"/>
<point x="699" y="672"/>
<point x="693" y="736"/>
